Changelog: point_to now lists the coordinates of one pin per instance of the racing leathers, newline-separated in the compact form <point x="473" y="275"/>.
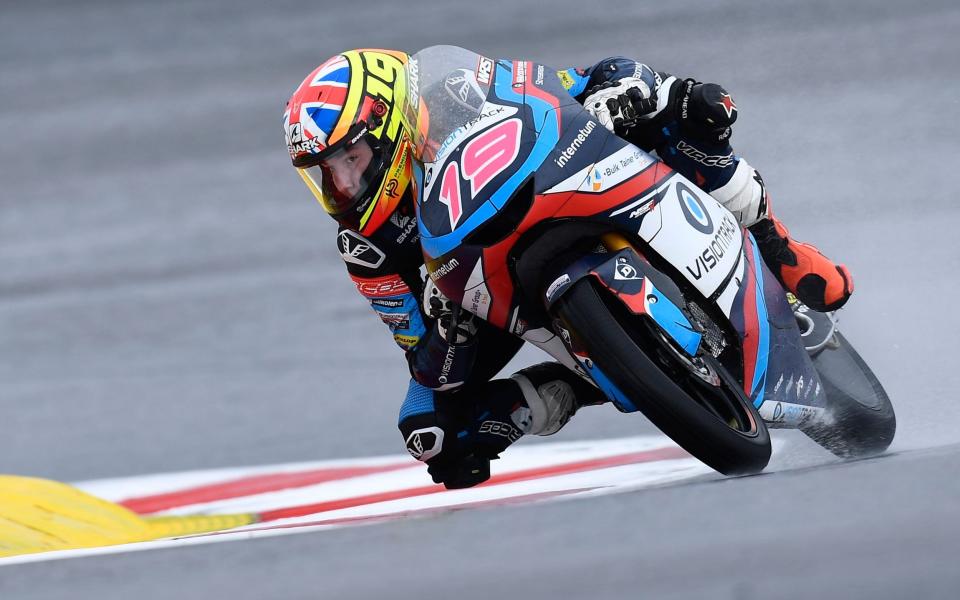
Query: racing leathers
<point x="455" y="417"/>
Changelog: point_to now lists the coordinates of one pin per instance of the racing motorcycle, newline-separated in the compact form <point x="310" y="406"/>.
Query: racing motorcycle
<point x="539" y="220"/>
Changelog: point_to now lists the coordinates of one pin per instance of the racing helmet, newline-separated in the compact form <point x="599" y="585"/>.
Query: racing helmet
<point x="347" y="137"/>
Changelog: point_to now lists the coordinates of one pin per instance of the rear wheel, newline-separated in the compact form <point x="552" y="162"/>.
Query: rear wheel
<point x="860" y="419"/>
<point x="694" y="401"/>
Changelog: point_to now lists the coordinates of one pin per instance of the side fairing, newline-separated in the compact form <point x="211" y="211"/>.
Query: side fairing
<point x="694" y="233"/>
<point x="777" y="369"/>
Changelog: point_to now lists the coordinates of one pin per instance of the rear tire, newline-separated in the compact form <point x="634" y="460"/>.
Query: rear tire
<point x="860" y="420"/>
<point x="696" y="414"/>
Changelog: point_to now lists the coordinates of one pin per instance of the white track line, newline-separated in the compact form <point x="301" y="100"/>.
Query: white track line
<point x="524" y="458"/>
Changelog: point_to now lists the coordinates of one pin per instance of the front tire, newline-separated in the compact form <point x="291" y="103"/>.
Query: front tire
<point x="708" y="415"/>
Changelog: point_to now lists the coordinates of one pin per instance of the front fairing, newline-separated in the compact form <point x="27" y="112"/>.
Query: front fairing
<point x="476" y="156"/>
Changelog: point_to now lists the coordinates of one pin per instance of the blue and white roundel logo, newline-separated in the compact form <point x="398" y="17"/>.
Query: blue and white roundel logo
<point x="694" y="210"/>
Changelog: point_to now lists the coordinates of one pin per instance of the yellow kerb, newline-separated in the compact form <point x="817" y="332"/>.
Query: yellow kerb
<point x="39" y="515"/>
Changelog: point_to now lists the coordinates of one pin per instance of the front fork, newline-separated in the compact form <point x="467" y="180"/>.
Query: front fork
<point x="615" y="241"/>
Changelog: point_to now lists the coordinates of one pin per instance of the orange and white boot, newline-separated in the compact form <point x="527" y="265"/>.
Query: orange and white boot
<point x="801" y="268"/>
<point x="813" y="278"/>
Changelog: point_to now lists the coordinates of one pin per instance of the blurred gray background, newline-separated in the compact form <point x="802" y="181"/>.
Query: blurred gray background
<point x="171" y="297"/>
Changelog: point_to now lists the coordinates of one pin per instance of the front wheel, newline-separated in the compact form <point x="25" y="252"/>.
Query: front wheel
<point x="695" y="402"/>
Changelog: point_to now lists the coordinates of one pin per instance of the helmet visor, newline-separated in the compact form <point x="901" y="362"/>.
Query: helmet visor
<point x="344" y="178"/>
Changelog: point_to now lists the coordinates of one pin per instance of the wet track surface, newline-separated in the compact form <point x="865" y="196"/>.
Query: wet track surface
<point x="171" y="297"/>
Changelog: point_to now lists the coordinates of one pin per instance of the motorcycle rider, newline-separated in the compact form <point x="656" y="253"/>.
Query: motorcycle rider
<point x="346" y="137"/>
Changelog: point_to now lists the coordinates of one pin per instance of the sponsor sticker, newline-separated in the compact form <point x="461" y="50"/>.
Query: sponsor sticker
<point x="789" y="413"/>
<point x="710" y="160"/>
<point x="556" y="285"/>
<point x="413" y="83"/>
<point x="448" y="359"/>
<point x="693" y="210"/>
<point x="479" y="302"/>
<point x="520" y="327"/>
<point x="484" y="70"/>
<point x="297" y="143"/>
<point x="465" y="89"/>
<point x="390" y="189"/>
<point x="405" y="341"/>
<point x="424" y="444"/>
<point x="388" y="302"/>
<point x="407" y="225"/>
<point x="567" y="153"/>
<point x="501" y="429"/>
<point x="624" y="271"/>
<point x="358" y="250"/>
<point x="380" y="287"/>
<point x="519" y="73"/>
<point x="395" y="320"/>
<point x="726" y="234"/>
<point x="644" y="209"/>
<point x="444" y="269"/>
<point x="484" y="119"/>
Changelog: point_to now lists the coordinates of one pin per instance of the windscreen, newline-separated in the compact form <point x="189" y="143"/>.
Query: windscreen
<point x="447" y="87"/>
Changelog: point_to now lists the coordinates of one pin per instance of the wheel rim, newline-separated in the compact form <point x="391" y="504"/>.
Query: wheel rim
<point x="717" y="394"/>
<point x="707" y="387"/>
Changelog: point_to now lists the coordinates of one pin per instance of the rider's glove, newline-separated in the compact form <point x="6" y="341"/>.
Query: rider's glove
<point x="437" y="438"/>
<point x="619" y="105"/>
<point x="455" y="325"/>
<point x="705" y="112"/>
<point x="466" y="472"/>
<point x="469" y="463"/>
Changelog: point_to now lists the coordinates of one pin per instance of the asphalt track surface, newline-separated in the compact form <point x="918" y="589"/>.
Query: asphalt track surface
<point x="171" y="298"/>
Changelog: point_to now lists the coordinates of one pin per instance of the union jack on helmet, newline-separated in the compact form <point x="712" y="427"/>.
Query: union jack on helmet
<point x="353" y="98"/>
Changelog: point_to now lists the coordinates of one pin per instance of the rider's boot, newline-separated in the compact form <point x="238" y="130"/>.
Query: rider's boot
<point x="553" y="394"/>
<point x="813" y="278"/>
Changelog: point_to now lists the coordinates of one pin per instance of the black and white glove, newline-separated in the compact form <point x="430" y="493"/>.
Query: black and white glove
<point x="619" y="105"/>
<point x="453" y="460"/>
<point x="456" y="325"/>
<point x="705" y="111"/>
